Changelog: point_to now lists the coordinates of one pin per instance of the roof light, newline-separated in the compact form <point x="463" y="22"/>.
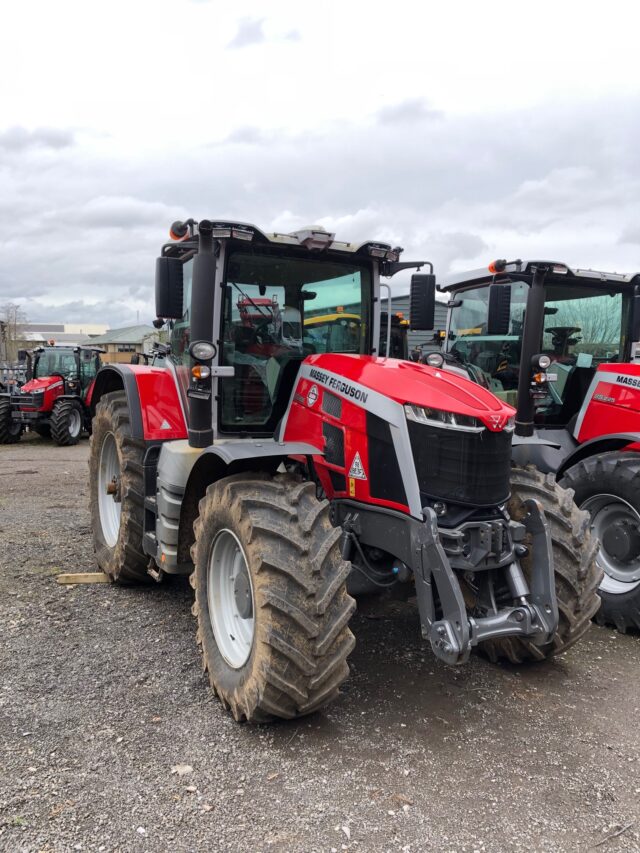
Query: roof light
<point x="227" y="230"/>
<point x="179" y="231"/>
<point x="559" y="269"/>
<point x="497" y="266"/>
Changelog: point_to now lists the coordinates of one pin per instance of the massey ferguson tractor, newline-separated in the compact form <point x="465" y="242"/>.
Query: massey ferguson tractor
<point x="55" y="400"/>
<point x="276" y="479"/>
<point x="562" y="345"/>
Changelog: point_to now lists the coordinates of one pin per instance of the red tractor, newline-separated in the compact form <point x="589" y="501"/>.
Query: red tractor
<point x="563" y="346"/>
<point x="56" y="398"/>
<point x="346" y="470"/>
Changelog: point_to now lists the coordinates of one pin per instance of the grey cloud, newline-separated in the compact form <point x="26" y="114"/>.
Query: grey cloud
<point x="405" y="112"/>
<point x="457" y="191"/>
<point x="247" y="135"/>
<point x="249" y="32"/>
<point x="19" y="138"/>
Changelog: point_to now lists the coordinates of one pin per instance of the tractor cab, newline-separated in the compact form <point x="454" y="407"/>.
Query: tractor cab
<point x="578" y="321"/>
<point x="76" y="366"/>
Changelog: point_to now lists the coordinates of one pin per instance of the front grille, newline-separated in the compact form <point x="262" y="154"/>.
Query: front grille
<point x="34" y="401"/>
<point x="332" y="405"/>
<point x="461" y="467"/>
<point x="334" y="444"/>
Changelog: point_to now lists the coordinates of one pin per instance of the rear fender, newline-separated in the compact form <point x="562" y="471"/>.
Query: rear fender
<point x="152" y="397"/>
<point x="604" y="444"/>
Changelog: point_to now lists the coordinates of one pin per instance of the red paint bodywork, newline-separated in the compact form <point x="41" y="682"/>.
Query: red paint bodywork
<point x="399" y="382"/>
<point x="613" y="403"/>
<point x="53" y="387"/>
<point x="159" y="403"/>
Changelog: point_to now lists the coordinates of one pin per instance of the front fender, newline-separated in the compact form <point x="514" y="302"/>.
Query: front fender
<point x="603" y="444"/>
<point x="152" y="397"/>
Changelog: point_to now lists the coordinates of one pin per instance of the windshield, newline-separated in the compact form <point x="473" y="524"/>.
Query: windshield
<point x="584" y="326"/>
<point x="62" y="361"/>
<point x="277" y="311"/>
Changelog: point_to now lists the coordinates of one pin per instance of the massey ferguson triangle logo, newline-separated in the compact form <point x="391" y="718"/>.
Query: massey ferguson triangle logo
<point x="496" y="421"/>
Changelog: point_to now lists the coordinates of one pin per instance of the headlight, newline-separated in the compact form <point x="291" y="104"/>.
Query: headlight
<point x="202" y="350"/>
<point x="448" y="420"/>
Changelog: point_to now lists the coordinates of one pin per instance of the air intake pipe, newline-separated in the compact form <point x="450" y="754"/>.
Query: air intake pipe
<point x="202" y="297"/>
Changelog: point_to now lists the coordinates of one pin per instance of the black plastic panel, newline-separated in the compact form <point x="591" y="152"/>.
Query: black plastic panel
<point x="385" y="479"/>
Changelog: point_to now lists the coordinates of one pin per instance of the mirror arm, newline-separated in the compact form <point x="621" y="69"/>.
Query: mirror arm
<point x="390" y="268"/>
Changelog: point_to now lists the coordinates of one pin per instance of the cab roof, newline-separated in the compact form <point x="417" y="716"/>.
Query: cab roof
<point x="524" y="270"/>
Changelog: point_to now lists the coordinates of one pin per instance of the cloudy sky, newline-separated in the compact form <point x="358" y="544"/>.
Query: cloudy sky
<point x="461" y="131"/>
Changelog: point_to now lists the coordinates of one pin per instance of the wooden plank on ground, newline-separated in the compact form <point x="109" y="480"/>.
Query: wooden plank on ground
<point x="83" y="577"/>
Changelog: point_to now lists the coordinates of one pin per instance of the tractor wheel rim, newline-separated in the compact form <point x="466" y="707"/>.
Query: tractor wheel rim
<point x="109" y="503"/>
<point x="614" y="520"/>
<point x="230" y="599"/>
<point x="75" y="423"/>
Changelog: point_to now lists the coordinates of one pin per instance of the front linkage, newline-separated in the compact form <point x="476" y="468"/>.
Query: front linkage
<point x="433" y="557"/>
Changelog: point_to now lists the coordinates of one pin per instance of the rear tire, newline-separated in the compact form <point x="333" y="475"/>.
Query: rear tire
<point x="292" y="659"/>
<point x="608" y="487"/>
<point x="66" y="422"/>
<point x="577" y="574"/>
<point x="117" y="525"/>
<point x="10" y="430"/>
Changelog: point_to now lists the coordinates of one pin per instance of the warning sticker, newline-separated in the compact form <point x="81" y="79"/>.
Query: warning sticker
<point x="312" y="395"/>
<point x="357" y="468"/>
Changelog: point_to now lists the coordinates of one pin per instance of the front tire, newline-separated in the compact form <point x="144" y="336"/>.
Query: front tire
<point x="117" y="492"/>
<point x="607" y="486"/>
<point x="10" y="430"/>
<point x="272" y="541"/>
<point x="66" y="422"/>
<point x="577" y="574"/>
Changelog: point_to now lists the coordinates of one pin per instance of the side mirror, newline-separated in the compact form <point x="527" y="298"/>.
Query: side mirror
<point x="22" y="355"/>
<point x="422" y="302"/>
<point x="169" y="283"/>
<point x="499" y="314"/>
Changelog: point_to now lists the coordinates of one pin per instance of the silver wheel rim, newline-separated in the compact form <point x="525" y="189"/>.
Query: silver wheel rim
<point x="230" y="599"/>
<point x="75" y="423"/>
<point x="109" y="503"/>
<point x="609" y="513"/>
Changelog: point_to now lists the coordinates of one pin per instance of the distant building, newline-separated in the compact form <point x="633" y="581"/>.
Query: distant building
<point x="36" y="334"/>
<point x="121" y="344"/>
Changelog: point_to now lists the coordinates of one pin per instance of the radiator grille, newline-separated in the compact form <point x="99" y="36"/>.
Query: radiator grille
<point x="462" y="467"/>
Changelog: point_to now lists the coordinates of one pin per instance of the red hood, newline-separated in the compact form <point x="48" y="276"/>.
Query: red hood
<point x="407" y="382"/>
<point x="40" y="384"/>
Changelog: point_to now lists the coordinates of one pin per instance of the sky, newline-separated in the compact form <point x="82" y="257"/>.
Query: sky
<point x="460" y="131"/>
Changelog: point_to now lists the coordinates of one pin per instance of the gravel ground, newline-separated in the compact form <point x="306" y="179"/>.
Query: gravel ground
<point x="111" y="741"/>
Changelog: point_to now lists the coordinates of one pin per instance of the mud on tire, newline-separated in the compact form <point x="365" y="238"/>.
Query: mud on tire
<point x="301" y="639"/>
<point x="124" y="561"/>
<point x="10" y="431"/>
<point x="576" y="571"/>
